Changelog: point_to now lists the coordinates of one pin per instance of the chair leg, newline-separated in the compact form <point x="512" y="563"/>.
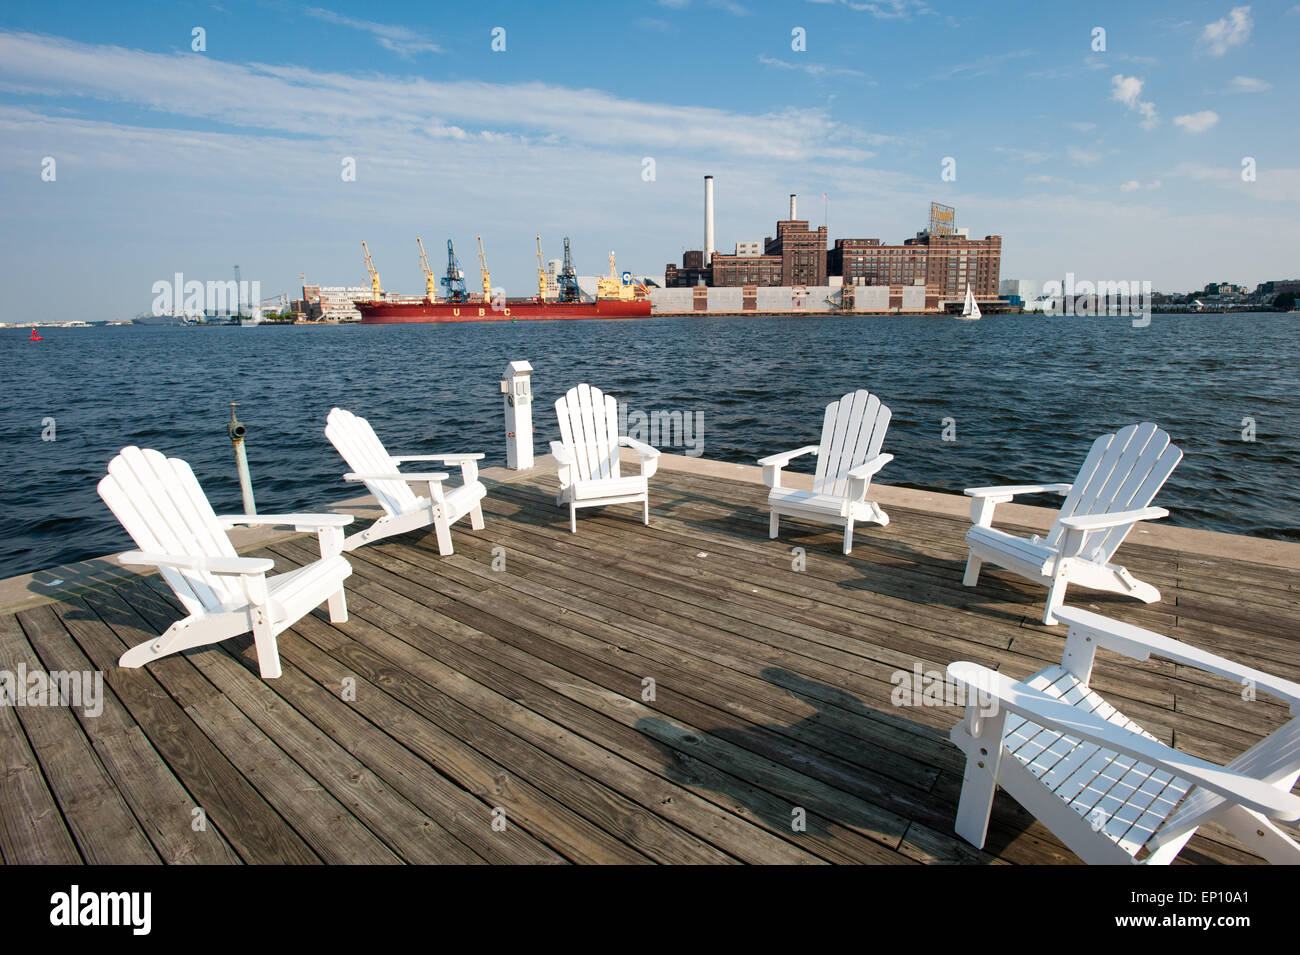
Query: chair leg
<point x="338" y="607"/>
<point x="476" y="517"/>
<point x="976" y="804"/>
<point x="573" y="519"/>
<point x="848" y="534"/>
<point x="443" y="530"/>
<point x="268" y="652"/>
<point x="973" y="565"/>
<point x="773" y="525"/>
<point x="645" y="511"/>
<point x="1055" y="599"/>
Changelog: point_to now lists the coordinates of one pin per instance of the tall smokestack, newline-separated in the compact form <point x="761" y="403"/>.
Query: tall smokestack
<point x="792" y="213"/>
<point x="708" y="220"/>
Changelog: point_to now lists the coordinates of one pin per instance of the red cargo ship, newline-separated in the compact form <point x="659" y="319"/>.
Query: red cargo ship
<point x="615" y="297"/>
<point x="387" y="313"/>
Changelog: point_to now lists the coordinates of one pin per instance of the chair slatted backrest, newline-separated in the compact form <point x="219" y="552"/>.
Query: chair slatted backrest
<point x="159" y="502"/>
<point x="361" y="448"/>
<point x="1274" y="759"/>
<point x="589" y="428"/>
<point x="852" y="433"/>
<point x="1123" y="471"/>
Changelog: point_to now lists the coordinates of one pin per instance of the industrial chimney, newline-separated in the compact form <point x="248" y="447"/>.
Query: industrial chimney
<point x="708" y="220"/>
<point x="792" y="213"/>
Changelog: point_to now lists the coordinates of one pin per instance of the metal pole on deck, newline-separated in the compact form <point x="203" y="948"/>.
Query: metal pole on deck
<point x="237" y="434"/>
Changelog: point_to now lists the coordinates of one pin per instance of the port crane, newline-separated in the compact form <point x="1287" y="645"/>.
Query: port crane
<point x="541" y="273"/>
<point x="376" y="290"/>
<point x="455" y="278"/>
<point x="430" y="283"/>
<point x="568" y="280"/>
<point x="483" y="270"/>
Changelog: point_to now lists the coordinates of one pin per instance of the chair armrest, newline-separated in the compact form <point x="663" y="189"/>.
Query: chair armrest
<point x="561" y="453"/>
<point x="396" y="476"/>
<point x="1008" y="491"/>
<point x="300" y="522"/>
<point x="785" y="457"/>
<point x="213" y="565"/>
<point x="1139" y="644"/>
<point x="985" y="499"/>
<point x="867" y="468"/>
<point x="446" y="458"/>
<point x="640" y="447"/>
<point x="1052" y="714"/>
<point x="1096" y="522"/>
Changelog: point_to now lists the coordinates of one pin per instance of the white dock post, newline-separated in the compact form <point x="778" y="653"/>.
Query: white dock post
<point x="518" y="404"/>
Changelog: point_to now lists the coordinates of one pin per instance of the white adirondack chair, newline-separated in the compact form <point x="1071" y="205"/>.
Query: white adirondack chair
<point x="1107" y="788"/>
<point x="847" y="459"/>
<point x="1112" y="492"/>
<point x="587" y="455"/>
<point x="404" y="511"/>
<point x="161" y="505"/>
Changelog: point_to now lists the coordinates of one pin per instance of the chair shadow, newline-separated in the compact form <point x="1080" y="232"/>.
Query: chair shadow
<point x="769" y="789"/>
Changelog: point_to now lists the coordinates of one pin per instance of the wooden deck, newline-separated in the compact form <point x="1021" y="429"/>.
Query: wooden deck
<point x="520" y="692"/>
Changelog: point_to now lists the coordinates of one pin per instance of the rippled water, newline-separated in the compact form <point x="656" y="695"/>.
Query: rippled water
<point x="1028" y="395"/>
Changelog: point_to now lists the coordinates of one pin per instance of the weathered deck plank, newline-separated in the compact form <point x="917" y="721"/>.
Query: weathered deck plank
<point x="519" y="694"/>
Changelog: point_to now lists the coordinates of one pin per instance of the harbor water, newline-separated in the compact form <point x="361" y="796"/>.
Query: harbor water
<point x="1010" y="399"/>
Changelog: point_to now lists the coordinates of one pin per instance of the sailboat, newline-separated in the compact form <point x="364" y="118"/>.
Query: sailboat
<point x="971" y="310"/>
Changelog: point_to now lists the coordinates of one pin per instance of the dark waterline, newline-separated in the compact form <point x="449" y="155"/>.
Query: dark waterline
<point x="1027" y="393"/>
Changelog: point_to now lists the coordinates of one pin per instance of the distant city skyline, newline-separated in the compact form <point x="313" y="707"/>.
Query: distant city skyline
<point x="1152" y="143"/>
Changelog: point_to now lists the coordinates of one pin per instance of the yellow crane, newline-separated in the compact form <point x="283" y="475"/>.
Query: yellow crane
<point x="376" y="290"/>
<point x="430" y="283"/>
<point x="487" y="279"/>
<point x="541" y="273"/>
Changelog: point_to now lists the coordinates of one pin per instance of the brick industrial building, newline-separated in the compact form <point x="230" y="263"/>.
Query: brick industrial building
<point x="942" y="258"/>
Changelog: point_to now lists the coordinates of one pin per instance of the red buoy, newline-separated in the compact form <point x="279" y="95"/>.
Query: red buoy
<point x="35" y="337"/>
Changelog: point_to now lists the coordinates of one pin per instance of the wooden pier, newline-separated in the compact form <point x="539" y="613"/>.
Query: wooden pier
<point x="677" y="693"/>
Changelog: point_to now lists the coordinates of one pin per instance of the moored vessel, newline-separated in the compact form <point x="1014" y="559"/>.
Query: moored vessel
<point x="615" y="297"/>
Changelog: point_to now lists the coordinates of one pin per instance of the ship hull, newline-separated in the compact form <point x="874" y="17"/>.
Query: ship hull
<point x="389" y="313"/>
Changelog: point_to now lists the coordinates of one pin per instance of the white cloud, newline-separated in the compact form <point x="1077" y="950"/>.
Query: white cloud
<point x="1197" y="122"/>
<point x="1082" y="155"/>
<point x="1130" y="186"/>
<point x="378" y="109"/>
<point x="1233" y="30"/>
<point x="1024" y="155"/>
<point x="1247" y="84"/>
<point x="1128" y="90"/>
<point x="399" y="39"/>
<point x="1273" y="185"/>
<point x="887" y="9"/>
<point x="812" y="69"/>
<point x="982" y="67"/>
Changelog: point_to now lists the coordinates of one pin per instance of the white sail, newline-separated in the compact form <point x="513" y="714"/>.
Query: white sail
<point x="971" y="309"/>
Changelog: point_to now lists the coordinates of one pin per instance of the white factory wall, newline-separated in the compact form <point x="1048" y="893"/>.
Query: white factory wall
<point x="725" y="299"/>
<point x="774" y="298"/>
<point x="672" y="299"/>
<point x="913" y="298"/>
<point x="871" y="298"/>
<point x="1027" y="289"/>
<point x="822" y="298"/>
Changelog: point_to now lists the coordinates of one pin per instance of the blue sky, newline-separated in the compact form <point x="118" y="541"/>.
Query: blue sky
<point x="1117" y="164"/>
